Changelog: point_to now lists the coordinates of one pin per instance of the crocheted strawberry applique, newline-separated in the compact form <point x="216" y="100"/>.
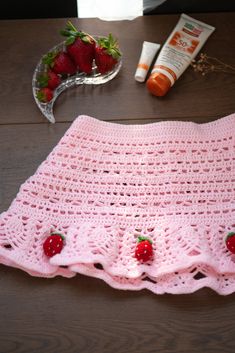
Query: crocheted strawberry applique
<point x="144" y="249"/>
<point x="53" y="244"/>
<point x="230" y="242"/>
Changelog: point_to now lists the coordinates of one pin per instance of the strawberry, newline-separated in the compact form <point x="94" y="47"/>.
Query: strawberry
<point x="144" y="249"/>
<point x="60" y="63"/>
<point x="49" y="79"/>
<point x="230" y="242"/>
<point x="53" y="244"/>
<point x="80" y="47"/>
<point x="45" y="95"/>
<point x="107" y="54"/>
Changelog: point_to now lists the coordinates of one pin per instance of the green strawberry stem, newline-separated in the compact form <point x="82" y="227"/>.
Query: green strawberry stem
<point x="142" y="238"/>
<point x="110" y="45"/>
<point x="229" y="235"/>
<point x="57" y="233"/>
<point x="70" y="26"/>
<point x="72" y="33"/>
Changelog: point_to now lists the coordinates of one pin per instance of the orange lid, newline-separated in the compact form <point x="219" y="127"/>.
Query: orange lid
<point x="158" y="84"/>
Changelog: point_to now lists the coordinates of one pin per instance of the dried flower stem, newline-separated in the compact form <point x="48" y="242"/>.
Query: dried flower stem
<point x="206" y="64"/>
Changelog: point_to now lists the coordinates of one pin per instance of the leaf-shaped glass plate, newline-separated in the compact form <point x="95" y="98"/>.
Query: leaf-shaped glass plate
<point x="95" y="78"/>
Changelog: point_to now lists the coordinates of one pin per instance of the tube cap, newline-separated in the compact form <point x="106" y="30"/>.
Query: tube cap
<point x="140" y="75"/>
<point x="158" y="84"/>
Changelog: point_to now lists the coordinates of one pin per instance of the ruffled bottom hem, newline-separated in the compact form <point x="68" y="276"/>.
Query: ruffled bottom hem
<point x="107" y="252"/>
<point x="185" y="281"/>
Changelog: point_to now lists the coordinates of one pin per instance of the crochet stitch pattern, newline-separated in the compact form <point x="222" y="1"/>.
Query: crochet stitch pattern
<point x="106" y="184"/>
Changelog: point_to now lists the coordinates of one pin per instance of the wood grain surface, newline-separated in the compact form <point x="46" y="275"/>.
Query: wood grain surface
<point x="84" y="314"/>
<point x="193" y="96"/>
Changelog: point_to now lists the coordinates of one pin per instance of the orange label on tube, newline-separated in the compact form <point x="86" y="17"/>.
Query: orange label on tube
<point x="166" y="69"/>
<point x="143" y="66"/>
<point x="183" y="43"/>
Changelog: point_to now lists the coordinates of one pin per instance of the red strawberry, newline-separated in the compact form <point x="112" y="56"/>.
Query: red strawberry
<point x="144" y="249"/>
<point x="230" y="242"/>
<point x="53" y="244"/>
<point x="80" y="47"/>
<point x="45" y="95"/>
<point x="107" y="54"/>
<point x="60" y="63"/>
<point x="49" y="79"/>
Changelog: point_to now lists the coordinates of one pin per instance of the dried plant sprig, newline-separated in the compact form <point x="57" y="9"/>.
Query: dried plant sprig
<point x="207" y="64"/>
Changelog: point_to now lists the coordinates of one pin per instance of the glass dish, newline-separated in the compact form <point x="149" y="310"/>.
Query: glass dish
<point x="95" y="78"/>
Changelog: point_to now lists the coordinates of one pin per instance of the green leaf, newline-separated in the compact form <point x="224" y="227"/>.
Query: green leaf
<point x="111" y="45"/>
<point x="110" y="37"/>
<point x="231" y="234"/>
<point x="85" y="39"/>
<point x="74" y="33"/>
<point x="60" y="234"/>
<point x="65" y="33"/>
<point x="39" y="96"/>
<point x="43" y="80"/>
<point x="70" y="40"/>
<point x="49" y="58"/>
<point x="142" y="238"/>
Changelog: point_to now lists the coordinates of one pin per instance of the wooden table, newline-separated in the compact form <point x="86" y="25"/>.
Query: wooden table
<point x="84" y="314"/>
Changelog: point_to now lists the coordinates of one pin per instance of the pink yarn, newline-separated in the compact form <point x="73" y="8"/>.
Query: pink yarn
<point x="105" y="184"/>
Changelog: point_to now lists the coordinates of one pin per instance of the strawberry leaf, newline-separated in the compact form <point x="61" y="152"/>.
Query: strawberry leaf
<point x="142" y="238"/>
<point x="57" y="233"/>
<point x="45" y="95"/>
<point x="65" y="33"/>
<point x="49" y="59"/>
<point x="229" y="235"/>
<point x="40" y="95"/>
<point x="85" y="39"/>
<point x="71" y="31"/>
<point x="110" y="45"/>
<point x="43" y="80"/>
<point x="70" y="40"/>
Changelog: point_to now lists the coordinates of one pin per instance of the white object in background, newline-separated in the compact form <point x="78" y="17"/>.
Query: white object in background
<point x="148" y="53"/>
<point x="110" y="10"/>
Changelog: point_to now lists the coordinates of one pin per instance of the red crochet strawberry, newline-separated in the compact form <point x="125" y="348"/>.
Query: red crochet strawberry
<point x="53" y="244"/>
<point x="144" y="249"/>
<point x="80" y="47"/>
<point x="60" y="63"/>
<point x="230" y="242"/>
<point x="49" y="79"/>
<point x="107" y="54"/>
<point x="45" y="95"/>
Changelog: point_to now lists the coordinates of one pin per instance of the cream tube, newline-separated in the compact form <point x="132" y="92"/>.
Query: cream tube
<point x="148" y="52"/>
<point x="180" y="49"/>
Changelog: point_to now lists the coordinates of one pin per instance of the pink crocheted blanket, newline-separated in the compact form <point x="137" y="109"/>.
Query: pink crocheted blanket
<point x="105" y="184"/>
